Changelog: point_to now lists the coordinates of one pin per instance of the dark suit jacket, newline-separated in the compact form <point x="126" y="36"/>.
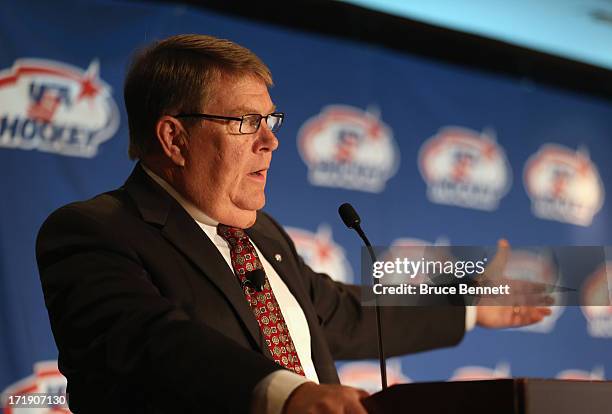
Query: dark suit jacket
<point x="148" y="317"/>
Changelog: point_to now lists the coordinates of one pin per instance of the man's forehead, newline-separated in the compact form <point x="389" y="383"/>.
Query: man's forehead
<point x="245" y="93"/>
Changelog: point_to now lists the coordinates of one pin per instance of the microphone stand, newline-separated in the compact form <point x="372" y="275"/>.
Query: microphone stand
<point x="352" y="221"/>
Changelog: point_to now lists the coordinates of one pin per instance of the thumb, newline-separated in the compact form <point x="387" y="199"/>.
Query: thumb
<point x="497" y="265"/>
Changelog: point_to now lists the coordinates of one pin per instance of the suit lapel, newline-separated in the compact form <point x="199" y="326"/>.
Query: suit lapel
<point x="158" y="207"/>
<point x="184" y="233"/>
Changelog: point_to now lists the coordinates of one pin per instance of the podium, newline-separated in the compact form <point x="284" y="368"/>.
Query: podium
<point x="503" y="396"/>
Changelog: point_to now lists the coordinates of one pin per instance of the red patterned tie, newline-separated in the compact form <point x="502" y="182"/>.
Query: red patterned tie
<point x="263" y="304"/>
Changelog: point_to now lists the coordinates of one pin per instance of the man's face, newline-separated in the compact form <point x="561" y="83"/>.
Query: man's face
<point x="225" y="172"/>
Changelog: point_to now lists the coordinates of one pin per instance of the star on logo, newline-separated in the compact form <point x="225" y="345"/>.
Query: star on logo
<point x="90" y="86"/>
<point x="324" y="248"/>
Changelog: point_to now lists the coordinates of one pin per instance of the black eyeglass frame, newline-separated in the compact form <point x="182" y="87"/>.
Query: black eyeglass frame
<point x="280" y="115"/>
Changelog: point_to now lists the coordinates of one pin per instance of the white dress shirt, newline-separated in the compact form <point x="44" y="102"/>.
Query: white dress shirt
<point x="272" y="391"/>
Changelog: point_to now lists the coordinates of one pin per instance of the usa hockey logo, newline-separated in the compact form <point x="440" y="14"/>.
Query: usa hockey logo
<point x="321" y="253"/>
<point x="597" y="292"/>
<point x="563" y="185"/>
<point x="366" y="375"/>
<point x="54" y="107"/>
<point x="540" y="268"/>
<point x="414" y="249"/>
<point x="465" y="168"/>
<point x="348" y="148"/>
<point x="476" y="373"/>
<point x="46" y="382"/>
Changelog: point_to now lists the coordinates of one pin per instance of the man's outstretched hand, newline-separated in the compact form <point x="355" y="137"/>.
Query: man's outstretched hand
<point x="313" y="398"/>
<point x="528" y="304"/>
<point x="510" y="316"/>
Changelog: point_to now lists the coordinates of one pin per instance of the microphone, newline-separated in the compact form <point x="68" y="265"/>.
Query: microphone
<point x="351" y="219"/>
<point x="349" y="216"/>
<point x="255" y="279"/>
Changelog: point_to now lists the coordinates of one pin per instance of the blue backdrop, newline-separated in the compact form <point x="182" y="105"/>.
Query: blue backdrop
<point x="425" y="150"/>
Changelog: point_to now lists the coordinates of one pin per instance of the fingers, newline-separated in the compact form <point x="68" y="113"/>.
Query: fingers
<point x="531" y="301"/>
<point x="355" y="408"/>
<point x="510" y="316"/>
<point x="520" y="293"/>
<point x="362" y="393"/>
<point x="523" y="315"/>
<point x="496" y="266"/>
<point x="526" y="286"/>
<point x="325" y="399"/>
<point x="516" y="300"/>
<point x="352" y="400"/>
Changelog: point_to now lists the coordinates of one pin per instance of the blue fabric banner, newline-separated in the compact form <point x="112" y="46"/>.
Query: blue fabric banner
<point x="427" y="152"/>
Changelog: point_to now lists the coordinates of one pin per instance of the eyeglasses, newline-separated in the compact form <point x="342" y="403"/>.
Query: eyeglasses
<point x="249" y="123"/>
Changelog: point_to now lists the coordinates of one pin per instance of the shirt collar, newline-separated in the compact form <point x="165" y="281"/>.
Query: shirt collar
<point x="198" y="215"/>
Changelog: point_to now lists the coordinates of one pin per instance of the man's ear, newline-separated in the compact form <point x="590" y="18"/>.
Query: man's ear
<point x="171" y="136"/>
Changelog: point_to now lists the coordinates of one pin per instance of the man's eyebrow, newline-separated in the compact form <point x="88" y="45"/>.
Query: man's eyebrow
<point x="249" y="110"/>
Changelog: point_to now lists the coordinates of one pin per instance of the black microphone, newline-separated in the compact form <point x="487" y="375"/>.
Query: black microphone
<point x="350" y="217"/>
<point x="255" y="279"/>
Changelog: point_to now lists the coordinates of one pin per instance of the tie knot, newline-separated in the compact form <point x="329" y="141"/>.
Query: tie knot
<point x="232" y="235"/>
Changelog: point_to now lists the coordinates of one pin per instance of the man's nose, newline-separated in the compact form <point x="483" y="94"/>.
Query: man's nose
<point x="267" y="140"/>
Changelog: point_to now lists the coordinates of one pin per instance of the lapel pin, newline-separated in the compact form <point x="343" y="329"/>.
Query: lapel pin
<point x="278" y="257"/>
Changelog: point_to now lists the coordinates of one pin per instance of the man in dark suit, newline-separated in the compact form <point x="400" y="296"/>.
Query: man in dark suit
<point x="149" y="287"/>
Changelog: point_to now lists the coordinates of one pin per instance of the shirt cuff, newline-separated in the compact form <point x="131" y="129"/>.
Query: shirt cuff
<point x="271" y="393"/>
<point x="470" y="317"/>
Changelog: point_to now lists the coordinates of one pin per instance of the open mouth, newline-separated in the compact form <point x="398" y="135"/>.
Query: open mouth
<point x="259" y="174"/>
